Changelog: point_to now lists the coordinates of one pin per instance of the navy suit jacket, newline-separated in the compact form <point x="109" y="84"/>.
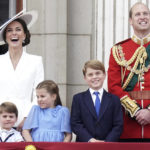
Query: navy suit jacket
<point x="85" y="123"/>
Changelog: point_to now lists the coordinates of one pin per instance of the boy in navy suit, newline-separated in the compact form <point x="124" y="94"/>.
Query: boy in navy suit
<point x="96" y="115"/>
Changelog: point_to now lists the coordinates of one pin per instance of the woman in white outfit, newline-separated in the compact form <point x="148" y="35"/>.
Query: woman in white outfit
<point x="20" y="72"/>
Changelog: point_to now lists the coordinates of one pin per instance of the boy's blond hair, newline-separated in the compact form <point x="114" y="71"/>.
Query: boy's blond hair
<point x="93" y="64"/>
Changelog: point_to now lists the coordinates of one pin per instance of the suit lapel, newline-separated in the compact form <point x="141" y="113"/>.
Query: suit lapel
<point x="104" y="104"/>
<point x="89" y="103"/>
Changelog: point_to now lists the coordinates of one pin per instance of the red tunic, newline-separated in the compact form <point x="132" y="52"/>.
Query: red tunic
<point x="131" y="128"/>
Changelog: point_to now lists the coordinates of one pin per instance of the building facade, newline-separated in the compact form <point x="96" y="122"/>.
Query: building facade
<point x="70" y="32"/>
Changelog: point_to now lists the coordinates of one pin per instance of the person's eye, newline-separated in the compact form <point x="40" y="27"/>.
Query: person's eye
<point x="145" y="13"/>
<point x="137" y="14"/>
<point x="98" y="73"/>
<point x="18" y="29"/>
<point x="89" y="75"/>
<point x="8" y="30"/>
<point x="4" y="116"/>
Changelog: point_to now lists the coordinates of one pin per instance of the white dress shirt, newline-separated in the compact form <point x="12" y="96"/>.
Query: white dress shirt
<point x="10" y="136"/>
<point x="94" y="96"/>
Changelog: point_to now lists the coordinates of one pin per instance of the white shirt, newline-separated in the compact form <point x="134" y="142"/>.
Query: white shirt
<point x="94" y="96"/>
<point x="18" y="86"/>
<point x="10" y="136"/>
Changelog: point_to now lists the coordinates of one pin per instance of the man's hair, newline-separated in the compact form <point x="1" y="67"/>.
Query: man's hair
<point x="9" y="108"/>
<point x="93" y="64"/>
<point x="131" y="9"/>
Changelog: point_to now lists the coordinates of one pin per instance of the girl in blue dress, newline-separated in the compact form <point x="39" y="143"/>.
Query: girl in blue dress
<point x="48" y="121"/>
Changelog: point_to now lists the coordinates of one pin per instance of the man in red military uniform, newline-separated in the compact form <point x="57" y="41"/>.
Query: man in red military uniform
<point x="129" y="76"/>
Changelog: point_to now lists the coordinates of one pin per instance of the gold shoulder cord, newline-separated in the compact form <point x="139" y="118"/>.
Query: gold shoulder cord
<point x="139" y="56"/>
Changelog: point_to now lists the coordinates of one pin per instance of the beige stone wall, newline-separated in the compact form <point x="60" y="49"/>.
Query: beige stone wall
<point x="79" y="47"/>
<point x="64" y="36"/>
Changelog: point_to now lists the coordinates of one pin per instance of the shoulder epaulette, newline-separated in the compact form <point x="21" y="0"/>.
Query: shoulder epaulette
<point x="123" y="41"/>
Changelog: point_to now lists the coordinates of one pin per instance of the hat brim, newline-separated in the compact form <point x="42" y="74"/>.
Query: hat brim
<point x="29" y="18"/>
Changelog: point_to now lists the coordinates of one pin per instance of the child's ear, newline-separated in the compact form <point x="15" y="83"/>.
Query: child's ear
<point x="54" y="96"/>
<point x="105" y="75"/>
<point x="85" y="77"/>
<point x="130" y="21"/>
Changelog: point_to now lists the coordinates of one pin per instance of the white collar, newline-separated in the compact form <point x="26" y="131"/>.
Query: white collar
<point x="100" y="91"/>
<point x="7" y="131"/>
<point x="142" y="41"/>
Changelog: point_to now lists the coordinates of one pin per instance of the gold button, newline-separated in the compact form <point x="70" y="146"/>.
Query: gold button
<point x="30" y="147"/>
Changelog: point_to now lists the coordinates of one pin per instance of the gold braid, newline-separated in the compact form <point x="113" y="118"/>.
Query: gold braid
<point x="125" y="63"/>
<point x="140" y="56"/>
<point x="134" y="68"/>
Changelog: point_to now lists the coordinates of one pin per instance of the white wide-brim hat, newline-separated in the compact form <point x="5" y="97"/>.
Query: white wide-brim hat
<point x="29" y="17"/>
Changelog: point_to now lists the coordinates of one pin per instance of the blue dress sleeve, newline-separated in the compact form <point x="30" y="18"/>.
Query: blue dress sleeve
<point x="32" y="120"/>
<point x="65" y="122"/>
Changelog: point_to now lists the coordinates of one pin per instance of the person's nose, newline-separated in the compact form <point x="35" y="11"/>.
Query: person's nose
<point x="7" y="118"/>
<point x="142" y="15"/>
<point x="40" y="99"/>
<point x="14" y="32"/>
<point x="94" y="76"/>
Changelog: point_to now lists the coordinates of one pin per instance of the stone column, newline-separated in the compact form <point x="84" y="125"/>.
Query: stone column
<point x="80" y="43"/>
<point x="49" y="39"/>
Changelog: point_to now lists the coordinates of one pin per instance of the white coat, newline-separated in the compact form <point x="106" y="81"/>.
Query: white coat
<point x="18" y="86"/>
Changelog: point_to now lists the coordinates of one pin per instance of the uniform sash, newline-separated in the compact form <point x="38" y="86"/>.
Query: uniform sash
<point x="134" y="79"/>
